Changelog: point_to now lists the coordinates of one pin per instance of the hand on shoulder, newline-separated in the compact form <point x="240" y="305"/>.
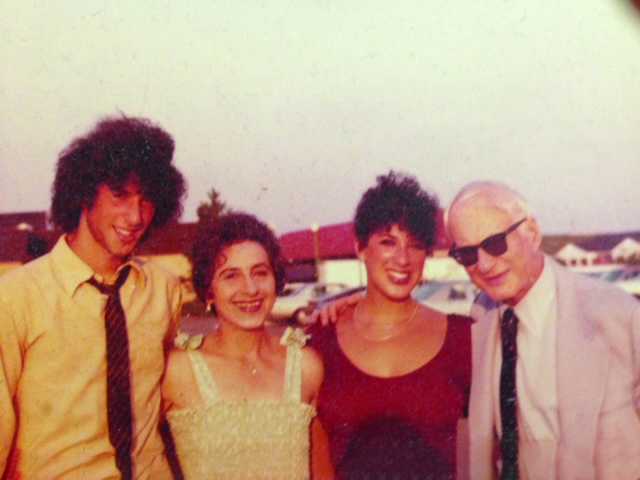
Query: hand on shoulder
<point x="331" y="312"/>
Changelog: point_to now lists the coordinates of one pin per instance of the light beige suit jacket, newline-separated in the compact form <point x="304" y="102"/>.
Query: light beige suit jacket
<point x="598" y="376"/>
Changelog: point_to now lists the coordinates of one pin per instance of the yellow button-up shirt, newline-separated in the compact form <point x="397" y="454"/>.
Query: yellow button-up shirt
<point x="53" y="368"/>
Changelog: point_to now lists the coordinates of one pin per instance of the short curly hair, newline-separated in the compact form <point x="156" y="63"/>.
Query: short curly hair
<point x="213" y="238"/>
<point x="397" y="199"/>
<point x="115" y="152"/>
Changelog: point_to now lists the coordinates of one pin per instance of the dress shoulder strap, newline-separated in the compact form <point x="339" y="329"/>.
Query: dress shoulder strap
<point x="294" y="340"/>
<point x="204" y="378"/>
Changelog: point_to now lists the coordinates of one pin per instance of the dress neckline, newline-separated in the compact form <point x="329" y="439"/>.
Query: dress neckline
<point x="428" y="364"/>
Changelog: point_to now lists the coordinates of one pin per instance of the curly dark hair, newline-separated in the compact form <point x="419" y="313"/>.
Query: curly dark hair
<point x="227" y="230"/>
<point x="397" y="199"/>
<point x="115" y="152"/>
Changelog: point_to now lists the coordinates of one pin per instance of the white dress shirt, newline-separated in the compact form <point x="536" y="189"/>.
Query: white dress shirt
<point x="538" y="425"/>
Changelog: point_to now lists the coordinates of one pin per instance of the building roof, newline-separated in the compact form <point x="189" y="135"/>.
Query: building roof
<point x="13" y="245"/>
<point x="22" y="245"/>
<point x="607" y="241"/>
<point x="335" y="241"/>
<point x="571" y="251"/>
<point x="552" y="244"/>
<point x="36" y="220"/>
<point x="173" y="238"/>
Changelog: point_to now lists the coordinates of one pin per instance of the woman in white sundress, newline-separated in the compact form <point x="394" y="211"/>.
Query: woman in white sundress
<point x="242" y="405"/>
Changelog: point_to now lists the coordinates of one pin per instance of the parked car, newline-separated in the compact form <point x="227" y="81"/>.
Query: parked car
<point x="626" y="277"/>
<point x="298" y="295"/>
<point x="447" y="297"/>
<point x="629" y="280"/>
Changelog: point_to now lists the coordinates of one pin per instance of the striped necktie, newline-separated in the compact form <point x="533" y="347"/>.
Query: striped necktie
<point x="119" y="413"/>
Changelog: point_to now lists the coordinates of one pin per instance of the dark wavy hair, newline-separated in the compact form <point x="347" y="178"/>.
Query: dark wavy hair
<point x="227" y="230"/>
<point x="397" y="199"/>
<point x="115" y="152"/>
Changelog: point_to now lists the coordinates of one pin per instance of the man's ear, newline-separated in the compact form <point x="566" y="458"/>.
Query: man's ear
<point x="533" y="232"/>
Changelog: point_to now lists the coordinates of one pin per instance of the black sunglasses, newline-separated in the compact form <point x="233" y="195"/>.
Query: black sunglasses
<point x="494" y="245"/>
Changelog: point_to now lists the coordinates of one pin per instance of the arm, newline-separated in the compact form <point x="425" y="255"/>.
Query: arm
<point x="11" y="364"/>
<point x="176" y="296"/>
<point x="321" y="468"/>
<point x="312" y="376"/>
<point x="168" y="389"/>
<point x="331" y="312"/>
<point x="174" y="388"/>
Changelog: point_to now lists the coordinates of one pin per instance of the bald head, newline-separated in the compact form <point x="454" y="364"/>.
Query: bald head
<point x="490" y="194"/>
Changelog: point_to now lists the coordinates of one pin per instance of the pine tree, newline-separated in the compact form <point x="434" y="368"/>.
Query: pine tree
<point x="208" y="212"/>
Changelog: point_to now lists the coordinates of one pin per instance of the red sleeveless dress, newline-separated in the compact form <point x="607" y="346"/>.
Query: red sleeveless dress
<point x="400" y="427"/>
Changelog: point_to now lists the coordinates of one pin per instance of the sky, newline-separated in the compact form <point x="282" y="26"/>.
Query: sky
<point x="290" y="108"/>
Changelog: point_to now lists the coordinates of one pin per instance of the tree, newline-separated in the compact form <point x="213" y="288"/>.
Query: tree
<point x="208" y="212"/>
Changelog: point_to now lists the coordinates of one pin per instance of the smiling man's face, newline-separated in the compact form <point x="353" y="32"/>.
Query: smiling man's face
<point x="117" y="221"/>
<point x="507" y="277"/>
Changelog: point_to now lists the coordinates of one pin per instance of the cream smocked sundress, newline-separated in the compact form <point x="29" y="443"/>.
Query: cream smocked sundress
<point x="240" y="440"/>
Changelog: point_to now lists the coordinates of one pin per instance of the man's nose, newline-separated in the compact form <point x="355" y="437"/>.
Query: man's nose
<point x="134" y="213"/>
<point x="485" y="261"/>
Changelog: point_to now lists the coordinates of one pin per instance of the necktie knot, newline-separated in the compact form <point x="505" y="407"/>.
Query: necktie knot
<point x="111" y="290"/>
<point x="510" y="321"/>
<point x="508" y="334"/>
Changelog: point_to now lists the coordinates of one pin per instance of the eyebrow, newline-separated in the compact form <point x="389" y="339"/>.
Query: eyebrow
<point x="261" y="265"/>
<point x="410" y="237"/>
<point x="253" y="267"/>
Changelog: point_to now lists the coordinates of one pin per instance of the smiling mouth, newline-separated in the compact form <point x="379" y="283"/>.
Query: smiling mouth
<point x="399" y="278"/>
<point x="127" y="235"/>
<point x="494" y="280"/>
<point x="249" y="307"/>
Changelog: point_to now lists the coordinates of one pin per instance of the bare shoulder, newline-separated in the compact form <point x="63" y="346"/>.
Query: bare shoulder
<point x="345" y="319"/>
<point x="428" y="315"/>
<point x="312" y="369"/>
<point x="431" y="325"/>
<point x="425" y="311"/>
<point x="311" y="361"/>
<point x="177" y="378"/>
<point x="346" y="314"/>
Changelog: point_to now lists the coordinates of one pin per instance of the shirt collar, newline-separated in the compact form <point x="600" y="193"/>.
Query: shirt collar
<point x="75" y="272"/>
<point x="537" y="299"/>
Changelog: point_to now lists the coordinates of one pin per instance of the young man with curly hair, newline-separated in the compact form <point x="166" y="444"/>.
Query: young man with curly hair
<point x="111" y="186"/>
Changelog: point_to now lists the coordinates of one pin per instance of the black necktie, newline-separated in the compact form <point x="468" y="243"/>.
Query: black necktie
<point x="118" y="382"/>
<point x="508" y="399"/>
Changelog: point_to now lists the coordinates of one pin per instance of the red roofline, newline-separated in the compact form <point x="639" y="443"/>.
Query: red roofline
<point x="336" y="241"/>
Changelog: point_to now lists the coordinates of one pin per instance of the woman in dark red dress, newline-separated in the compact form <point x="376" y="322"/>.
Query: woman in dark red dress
<point x="397" y="373"/>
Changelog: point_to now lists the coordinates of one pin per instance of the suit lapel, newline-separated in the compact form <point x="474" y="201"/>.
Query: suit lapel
<point x="482" y="413"/>
<point x="582" y="365"/>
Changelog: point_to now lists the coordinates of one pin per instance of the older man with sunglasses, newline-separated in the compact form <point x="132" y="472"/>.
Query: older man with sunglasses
<point x="556" y="356"/>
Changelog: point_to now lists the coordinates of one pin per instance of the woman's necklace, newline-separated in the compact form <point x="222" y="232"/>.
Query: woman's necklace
<point x="247" y="363"/>
<point x="396" y="330"/>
